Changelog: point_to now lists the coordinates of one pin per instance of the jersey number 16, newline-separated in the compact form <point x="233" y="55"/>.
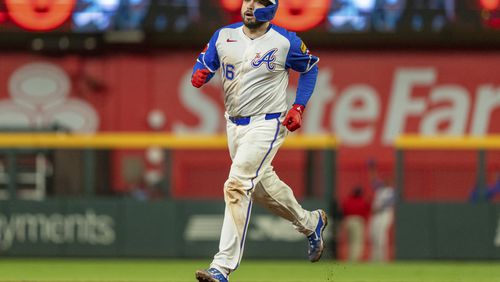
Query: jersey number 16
<point x="228" y="71"/>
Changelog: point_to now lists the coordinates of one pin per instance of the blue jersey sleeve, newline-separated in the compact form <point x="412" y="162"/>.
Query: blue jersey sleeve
<point x="299" y="58"/>
<point x="307" y="82"/>
<point x="209" y="58"/>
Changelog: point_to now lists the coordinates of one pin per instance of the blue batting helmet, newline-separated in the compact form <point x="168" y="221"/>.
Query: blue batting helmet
<point x="266" y="14"/>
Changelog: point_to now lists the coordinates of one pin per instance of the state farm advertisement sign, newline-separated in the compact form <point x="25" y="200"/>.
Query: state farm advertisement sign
<point x="365" y="98"/>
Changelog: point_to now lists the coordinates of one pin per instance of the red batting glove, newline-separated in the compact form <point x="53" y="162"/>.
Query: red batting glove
<point x="199" y="77"/>
<point x="293" y="119"/>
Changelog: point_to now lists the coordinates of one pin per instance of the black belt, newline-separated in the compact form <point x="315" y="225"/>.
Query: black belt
<point x="239" y="120"/>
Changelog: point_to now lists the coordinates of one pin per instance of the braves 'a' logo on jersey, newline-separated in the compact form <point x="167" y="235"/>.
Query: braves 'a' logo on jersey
<point x="269" y="58"/>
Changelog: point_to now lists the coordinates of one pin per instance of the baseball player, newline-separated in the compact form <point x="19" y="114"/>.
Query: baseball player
<point x="384" y="199"/>
<point x="254" y="58"/>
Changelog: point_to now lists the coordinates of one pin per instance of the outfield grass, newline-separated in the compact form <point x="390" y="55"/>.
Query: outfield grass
<point x="16" y="270"/>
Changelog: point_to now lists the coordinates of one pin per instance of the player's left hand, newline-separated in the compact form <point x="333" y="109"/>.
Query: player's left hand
<point x="293" y="119"/>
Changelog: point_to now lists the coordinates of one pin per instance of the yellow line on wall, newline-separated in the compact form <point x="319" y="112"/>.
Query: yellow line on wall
<point x="143" y="140"/>
<point x="447" y="142"/>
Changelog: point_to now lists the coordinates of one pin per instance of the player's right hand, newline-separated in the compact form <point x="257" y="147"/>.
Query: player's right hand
<point x="199" y="77"/>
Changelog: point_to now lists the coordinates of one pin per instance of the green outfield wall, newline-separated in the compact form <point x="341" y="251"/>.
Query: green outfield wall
<point x="190" y="229"/>
<point x="129" y="228"/>
<point x="447" y="231"/>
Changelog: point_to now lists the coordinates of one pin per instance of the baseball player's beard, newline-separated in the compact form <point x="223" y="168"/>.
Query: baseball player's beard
<point x="253" y="24"/>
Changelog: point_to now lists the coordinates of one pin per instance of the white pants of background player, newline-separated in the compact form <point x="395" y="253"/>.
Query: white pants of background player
<point x="252" y="179"/>
<point x="379" y="234"/>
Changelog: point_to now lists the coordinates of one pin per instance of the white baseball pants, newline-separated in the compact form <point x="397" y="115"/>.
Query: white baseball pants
<point x="252" y="179"/>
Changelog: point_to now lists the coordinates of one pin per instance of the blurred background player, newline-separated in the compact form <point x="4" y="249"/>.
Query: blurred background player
<point x="356" y="210"/>
<point x="382" y="215"/>
<point x="489" y="194"/>
<point x="254" y="57"/>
